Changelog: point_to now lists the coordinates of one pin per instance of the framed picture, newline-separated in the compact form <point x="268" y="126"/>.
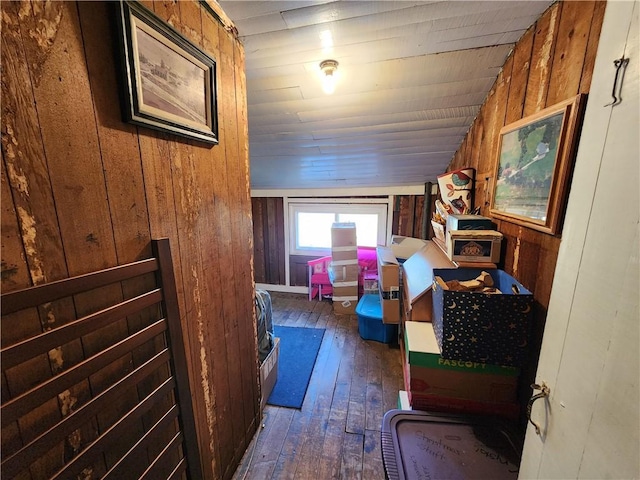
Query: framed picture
<point x="534" y="164"/>
<point x="169" y="83"/>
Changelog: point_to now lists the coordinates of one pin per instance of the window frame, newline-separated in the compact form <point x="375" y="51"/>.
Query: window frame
<point x="378" y="206"/>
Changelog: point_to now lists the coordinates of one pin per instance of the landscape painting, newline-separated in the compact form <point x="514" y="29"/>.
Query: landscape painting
<point x="169" y="82"/>
<point x="527" y="161"/>
<point x="533" y="166"/>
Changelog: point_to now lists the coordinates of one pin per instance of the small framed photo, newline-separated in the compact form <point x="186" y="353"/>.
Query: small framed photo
<point x="169" y="83"/>
<point x="534" y="164"/>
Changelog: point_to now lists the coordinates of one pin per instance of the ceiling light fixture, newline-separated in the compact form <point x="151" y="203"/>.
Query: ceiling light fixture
<point x="328" y="68"/>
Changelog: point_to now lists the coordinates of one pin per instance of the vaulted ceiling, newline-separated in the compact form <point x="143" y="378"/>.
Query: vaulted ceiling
<point x="410" y="80"/>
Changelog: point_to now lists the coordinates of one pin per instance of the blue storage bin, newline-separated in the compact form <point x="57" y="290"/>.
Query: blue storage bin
<point x="370" y="326"/>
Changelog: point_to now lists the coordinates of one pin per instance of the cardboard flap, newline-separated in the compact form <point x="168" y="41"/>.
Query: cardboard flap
<point x="386" y="256"/>
<point x="418" y="270"/>
<point x="420" y="338"/>
<point x="404" y="247"/>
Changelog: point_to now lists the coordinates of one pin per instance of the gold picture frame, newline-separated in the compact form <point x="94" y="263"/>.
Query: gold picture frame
<point x="533" y="166"/>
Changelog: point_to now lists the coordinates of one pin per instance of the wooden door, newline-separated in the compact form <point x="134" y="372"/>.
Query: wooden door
<point x="589" y="357"/>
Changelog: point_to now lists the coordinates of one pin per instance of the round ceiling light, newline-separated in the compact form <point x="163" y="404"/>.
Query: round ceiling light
<point x="328" y="67"/>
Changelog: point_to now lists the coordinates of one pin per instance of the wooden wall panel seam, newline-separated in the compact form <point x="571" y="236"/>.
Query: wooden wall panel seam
<point x="163" y="180"/>
<point x="592" y="46"/>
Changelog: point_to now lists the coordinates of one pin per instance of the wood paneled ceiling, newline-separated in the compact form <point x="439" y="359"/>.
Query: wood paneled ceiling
<point x="411" y="78"/>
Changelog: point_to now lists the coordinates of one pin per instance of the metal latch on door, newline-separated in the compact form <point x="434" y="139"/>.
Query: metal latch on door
<point x="544" y="392"/>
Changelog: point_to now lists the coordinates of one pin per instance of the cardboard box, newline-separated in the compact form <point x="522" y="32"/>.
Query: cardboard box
<point x="345" y="307"/>
<point x="388" y="269"/>
<point x="439" y="231"/>
<point x="469" y="222"/>
<point x="389" y="284"/>
<point x="431" y="374"/>
<point x="343" y="273"/>
<point x="422" y="349"/>
<point x="344" y="255"/>
<point x="418" y="279"/>
<point x="345" y="298"/>
<point x="482" y="327"/>
<point x="269" y="372"/>
<point x="349" y="290"/>
<point x="404" y="247"/>
<point x="474" y="245"/>
<point x="403" y="400"/>
<point x="343" y="234"/>
<point x="464" y="385"/>
<point x="439" y="403"/>
<point x="405" y="365"/>
<point x="345" y="288"/>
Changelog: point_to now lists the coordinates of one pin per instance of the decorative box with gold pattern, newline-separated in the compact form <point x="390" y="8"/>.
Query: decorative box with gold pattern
<point x="480" y="326"/>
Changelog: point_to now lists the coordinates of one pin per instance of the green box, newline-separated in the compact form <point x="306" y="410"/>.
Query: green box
<point x="422" y="350"/>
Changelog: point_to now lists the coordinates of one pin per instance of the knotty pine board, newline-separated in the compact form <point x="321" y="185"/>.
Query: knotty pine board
<point x="570" y="49"/>
<point x="519" y="75"/>
<point x="592" y="47"/>
<point x="546" y="29"/>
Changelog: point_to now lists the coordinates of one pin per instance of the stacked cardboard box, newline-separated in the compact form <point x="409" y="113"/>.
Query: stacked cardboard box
<point x="469" y="222"/>
<point x="414" y="286"/>
<point x="436" y="383"/>
<point x="474" y="246"/>
<point x="389" y="284"/>
<point x="344" y="267"/>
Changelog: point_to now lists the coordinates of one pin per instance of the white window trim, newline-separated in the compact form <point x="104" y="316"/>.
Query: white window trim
<point x="293" y="204"/>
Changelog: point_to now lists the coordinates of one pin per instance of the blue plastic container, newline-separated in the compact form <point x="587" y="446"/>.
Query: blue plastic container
<point x="370" y="324"/>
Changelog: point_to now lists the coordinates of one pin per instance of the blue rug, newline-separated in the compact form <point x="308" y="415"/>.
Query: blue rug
<point x="298" y="351"/>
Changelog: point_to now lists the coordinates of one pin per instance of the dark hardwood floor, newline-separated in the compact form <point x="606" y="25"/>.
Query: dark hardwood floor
<point x="336" y="434"/>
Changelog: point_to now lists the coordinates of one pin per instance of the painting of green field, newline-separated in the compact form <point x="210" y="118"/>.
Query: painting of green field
<point x="527" y="162"/>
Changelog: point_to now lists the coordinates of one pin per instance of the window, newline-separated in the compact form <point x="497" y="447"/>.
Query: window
<point x="310" y="224"/>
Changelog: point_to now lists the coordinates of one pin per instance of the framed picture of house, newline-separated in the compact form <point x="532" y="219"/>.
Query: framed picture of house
<point x="169" y="83"/>
<point x="534" y="162"/>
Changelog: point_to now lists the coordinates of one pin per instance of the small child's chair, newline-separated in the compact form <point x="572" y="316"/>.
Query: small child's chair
<point x="319" y="282"/>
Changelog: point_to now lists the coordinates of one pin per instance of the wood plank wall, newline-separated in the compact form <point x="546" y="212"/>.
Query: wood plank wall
<point x="268" y="240"/>
<point x="553" y="61"/>
<point x="268" y="237"/>
<point x="81" y="190"/>
<point x="408" y="215"/>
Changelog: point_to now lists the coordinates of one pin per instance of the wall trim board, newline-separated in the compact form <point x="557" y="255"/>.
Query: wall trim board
<point x="285" y="214"/>
<point x="215" y="12"/>
<point x="339" y="200"/>
<point x="282" y="288"/>
<point x="340" y="192"/>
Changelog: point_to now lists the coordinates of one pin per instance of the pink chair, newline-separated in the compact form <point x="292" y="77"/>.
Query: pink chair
<point x="319" y="282"/>
<point x="367" y="260"/>
<point x="368" y="263"/>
